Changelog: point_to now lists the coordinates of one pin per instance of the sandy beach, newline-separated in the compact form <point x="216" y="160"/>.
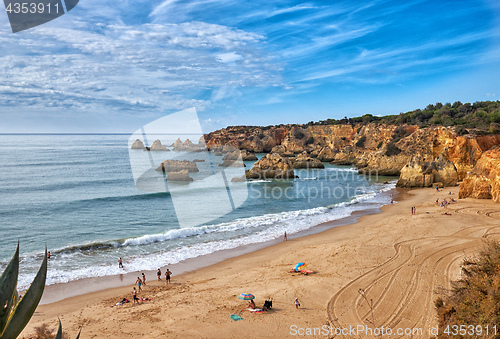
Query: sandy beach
<point x="384" y="270"/>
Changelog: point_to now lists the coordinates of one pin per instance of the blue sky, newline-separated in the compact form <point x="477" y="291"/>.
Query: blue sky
<point x="113" y="66"/>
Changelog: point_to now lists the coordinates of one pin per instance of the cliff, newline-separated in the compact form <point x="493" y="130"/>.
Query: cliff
<point x="419" y="173"/>
<point x="483" y="182"/>
<point x="420" y="156"/>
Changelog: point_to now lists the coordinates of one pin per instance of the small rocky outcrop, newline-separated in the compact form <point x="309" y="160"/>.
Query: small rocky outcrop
<point x="239" y="179"/>
<point x="272" y="166"/>
<point x="346" y="156"/>
<point x="157" y="146"/>
<point x="327" y="154"/>
<point x="247" y="156"/>
<point x="198" y="160"/>
<point x="186" y="146"/>
<point x="483" y="182"/>
<point x="138" y="144"/>
<point x="232" y="163"/>
<point x="178" y="165"/>
<point x="304" y="161"/>
<point x="419" y="173"/>
<point x="244" y="155"/>
<point x="182" y="175"/>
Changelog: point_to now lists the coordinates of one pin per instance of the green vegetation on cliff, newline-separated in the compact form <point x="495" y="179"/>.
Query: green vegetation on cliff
<point x="475" y="298"/>
<point x="482" y="115"/>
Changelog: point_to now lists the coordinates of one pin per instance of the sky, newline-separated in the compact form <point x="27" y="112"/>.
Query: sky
<point x="114" y="66"/>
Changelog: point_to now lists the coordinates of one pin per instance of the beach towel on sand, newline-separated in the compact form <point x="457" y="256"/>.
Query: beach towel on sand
<point x="256" y="310"/>
<point x="236" y="317"/>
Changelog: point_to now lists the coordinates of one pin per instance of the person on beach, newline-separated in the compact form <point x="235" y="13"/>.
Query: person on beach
<point x="168" y="273"/>
<point x="158" y="274"/>
<point x="284" y="237"/>
<point x="437" y="201"/>
<point x="48" y="255"/>
<point x="120" y="263"/>
<point x="143" y="279"/>
<point x="297" y="303"/>
<point x="251" y="304"/>
<point x="139" y="283"/>
<point x="134" y="295"/>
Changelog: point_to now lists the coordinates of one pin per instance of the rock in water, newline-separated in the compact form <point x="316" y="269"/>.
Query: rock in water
<point x="239" y="179"/>
<point x="232" y="163"/>
<point x="483" y="182"/>
<point x="138" y="144"/>
<point x="177" y="165"/>
<point x="182" y="175"/>
<point x="235" y="155"/>
<point x="272" y="166"/>
<point x="304" y="161"/>
<point x="157" y="146"/>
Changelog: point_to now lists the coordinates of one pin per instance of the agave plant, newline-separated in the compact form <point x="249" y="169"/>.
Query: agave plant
<point x="15" y="314"/>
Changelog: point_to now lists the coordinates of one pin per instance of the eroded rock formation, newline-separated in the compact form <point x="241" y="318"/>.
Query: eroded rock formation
<point x="272" y="166"/>
<point x="483" y="182"/>
<point x="372" y="148"/>
<point x="157" y="146"/>
<point x="304" y="161"/>
<point x="178" y="165"/>
<point x="138" y="144"/>
<point x="182" y="175"/>
<point x="420" y="173"/>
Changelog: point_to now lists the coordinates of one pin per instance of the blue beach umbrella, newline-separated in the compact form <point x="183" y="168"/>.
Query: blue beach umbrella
<point x="300" y="266"/>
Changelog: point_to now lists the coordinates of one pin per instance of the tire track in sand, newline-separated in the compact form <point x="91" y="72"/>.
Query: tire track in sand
<point x="400" y="292"/>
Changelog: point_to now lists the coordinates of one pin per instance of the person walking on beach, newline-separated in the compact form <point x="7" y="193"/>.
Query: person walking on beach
<point x="158" y="274"/>
<point x="168" y="273"/>
<point x="143" y="279"/>
<point x="139" y="283"/>
<point x="134" y="295"/>
<point x="297" y="303"/>
<point x="120" y="263"/>
<point x="285" y="238"/>
<point x="48" y="255"/>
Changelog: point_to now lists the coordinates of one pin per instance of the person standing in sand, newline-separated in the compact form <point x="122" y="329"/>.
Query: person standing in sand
<point x="134" y="295"/>
<point x="143" y="279"/>
<point x="139" y="283"/>
<point x="285" y="238"/>
<point x="168" y="273"/>
<point x="120" y="263"/>
<point x="158" y="273"/>
<point x="297" y="303"/>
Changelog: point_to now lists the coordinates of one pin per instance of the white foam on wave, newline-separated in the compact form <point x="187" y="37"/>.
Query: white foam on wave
<point x="267" y="227"/>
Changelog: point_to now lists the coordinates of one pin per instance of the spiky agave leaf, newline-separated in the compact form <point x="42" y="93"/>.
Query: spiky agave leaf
<point x="23" y="311"/>
<point x="8" y="293"/>
<point x="59" y="330"/>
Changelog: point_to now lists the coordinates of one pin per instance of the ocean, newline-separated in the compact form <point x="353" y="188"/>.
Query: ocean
<point x="76" y="195"/>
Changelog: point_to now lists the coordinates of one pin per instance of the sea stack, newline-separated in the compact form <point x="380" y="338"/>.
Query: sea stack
<point x="138" y="144"/>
